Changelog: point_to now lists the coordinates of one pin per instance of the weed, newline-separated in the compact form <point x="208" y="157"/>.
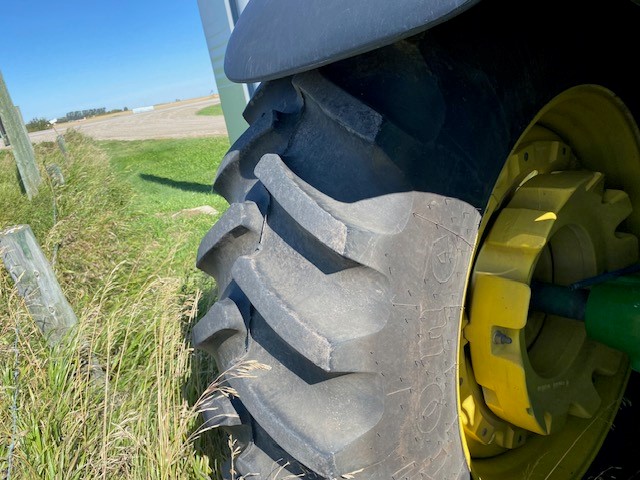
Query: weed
<point x="136" y="295"/>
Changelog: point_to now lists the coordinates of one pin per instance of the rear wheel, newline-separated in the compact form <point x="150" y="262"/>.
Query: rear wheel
<point x="532" y="382"/>
<point x="355" y="223"/>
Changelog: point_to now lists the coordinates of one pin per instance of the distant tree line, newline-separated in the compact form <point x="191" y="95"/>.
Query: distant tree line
<point x="39" y="123"/>
<point x="80" y="114"/>
<point x="92" y="112"/>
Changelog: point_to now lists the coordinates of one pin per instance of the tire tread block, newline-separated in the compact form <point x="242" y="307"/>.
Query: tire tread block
<point x="235" y="179"/>
<point x="223" y="324"/>
<point x="319" y="419"/>
<point x="269" y="461"/>
<point x="218" y="411"/>
<point x="236" y="233"/>
<point x="341" y="107"/>
<point x="331" y="335"/>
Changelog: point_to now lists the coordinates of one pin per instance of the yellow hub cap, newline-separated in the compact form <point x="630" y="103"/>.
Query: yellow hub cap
<point x="562" y="228"/>
<point x="536" y="397"/>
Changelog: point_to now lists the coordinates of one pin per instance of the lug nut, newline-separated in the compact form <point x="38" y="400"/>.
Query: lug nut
<point x="500" y="338"/>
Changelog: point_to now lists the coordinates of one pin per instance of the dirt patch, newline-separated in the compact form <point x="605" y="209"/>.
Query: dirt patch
<point x="177" y="120"/>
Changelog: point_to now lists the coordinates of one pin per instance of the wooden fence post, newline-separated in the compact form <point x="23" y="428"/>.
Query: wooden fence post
<point x="20" y="142"/>
<point x="36" y="283"/>
<point x="3" y="134"/>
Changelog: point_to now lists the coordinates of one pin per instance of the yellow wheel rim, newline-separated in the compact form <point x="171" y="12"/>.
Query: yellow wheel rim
<point x="571" y="186"/>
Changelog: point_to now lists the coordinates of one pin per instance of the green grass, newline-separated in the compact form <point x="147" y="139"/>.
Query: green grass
<point x="211" y="110"/>
<point x="168" y="176"/>
<point x="126" y="264"/>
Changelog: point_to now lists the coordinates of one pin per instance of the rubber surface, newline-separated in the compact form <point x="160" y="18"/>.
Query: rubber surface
<point x="342" y="263"/>
<point x="276" y="38"/>
<point x="335" y="388"/>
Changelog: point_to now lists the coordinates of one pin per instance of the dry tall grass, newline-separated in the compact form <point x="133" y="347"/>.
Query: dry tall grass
<point x="135" y="311"/>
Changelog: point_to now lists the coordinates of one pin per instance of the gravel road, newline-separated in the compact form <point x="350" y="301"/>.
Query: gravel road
<point x="175" y="120"/>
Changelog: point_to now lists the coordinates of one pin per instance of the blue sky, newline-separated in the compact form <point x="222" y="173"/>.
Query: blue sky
<point x="58" y="57"/>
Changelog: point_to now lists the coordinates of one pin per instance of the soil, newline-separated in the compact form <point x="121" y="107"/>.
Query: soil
<point x="173" y="120"/>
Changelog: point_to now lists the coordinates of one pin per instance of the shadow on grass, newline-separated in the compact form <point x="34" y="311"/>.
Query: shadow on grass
<point x="180" y="185"/>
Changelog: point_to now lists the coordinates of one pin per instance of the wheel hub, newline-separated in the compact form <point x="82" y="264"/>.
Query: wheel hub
<point x="536" y="395"/>
<point x="535" y="369"/>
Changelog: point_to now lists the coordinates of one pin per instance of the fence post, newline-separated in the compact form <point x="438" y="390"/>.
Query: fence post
<point x="19" y="140"/>
<point x="3" y="134"/>
<point x="36" y="283"/>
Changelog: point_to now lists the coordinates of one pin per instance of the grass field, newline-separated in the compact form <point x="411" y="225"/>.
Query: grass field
<point x="168" y="176"/>
<point x="211" y="110"/>
<point x="125" y="261"/>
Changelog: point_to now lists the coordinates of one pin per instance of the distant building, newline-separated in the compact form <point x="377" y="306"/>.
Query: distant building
<point x="142" y="109"/>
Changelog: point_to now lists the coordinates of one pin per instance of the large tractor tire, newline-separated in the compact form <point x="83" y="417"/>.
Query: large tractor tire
<point x="362" y="198"/>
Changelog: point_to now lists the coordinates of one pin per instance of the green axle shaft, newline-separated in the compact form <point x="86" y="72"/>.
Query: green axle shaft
<point x="610" y="310"/>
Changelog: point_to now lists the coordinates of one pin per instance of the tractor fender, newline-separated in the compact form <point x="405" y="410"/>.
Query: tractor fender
<point x="276" y="38"/>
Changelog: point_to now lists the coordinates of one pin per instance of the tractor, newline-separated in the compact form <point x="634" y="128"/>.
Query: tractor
<point x="431" y="246"/>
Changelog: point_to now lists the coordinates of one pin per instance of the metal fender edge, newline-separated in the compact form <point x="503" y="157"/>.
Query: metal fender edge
<point x="276" y="38"/>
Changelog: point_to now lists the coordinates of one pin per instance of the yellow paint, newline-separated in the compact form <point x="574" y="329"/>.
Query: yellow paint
<point x="546" y="216"/>
<point x="527" y="389"/>
<point x="532" y="206"/>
